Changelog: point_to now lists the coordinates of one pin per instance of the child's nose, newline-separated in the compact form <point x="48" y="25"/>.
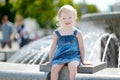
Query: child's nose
<point x="66" y="20"/>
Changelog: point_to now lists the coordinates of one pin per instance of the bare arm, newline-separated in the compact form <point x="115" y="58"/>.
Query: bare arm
<point x="81" y="46"/>
<point x="53" y="47"/>
<point x="13" y="34"/>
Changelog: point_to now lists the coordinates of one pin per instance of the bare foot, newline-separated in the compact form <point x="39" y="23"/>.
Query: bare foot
<point x="87" y="63"/>
<point x="47" y="63"/>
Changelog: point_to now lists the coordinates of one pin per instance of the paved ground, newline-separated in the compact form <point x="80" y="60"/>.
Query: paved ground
<point x="18" y="67"/>
<point x="35" y="68"/>
<point x="25" y="71"/>
<point x="11" y="71"/>
<point x="109" y="71"/>
<point x="7" y="49"/>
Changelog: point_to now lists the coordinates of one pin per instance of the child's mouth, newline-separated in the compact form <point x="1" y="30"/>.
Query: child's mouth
<point x="67" y="23"/>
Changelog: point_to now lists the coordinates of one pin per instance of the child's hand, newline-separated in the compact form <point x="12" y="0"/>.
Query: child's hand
<point x="47" y="63"/>
<point x="86" y="63"/>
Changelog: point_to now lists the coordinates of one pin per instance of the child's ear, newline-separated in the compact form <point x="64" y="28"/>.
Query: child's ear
<point x="75" y="17"/>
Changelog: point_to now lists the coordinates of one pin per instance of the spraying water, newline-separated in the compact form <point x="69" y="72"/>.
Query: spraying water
<point x="93" y="32"/>
<point x="32" y="51"/>
<point x="106" y="47"/>
<point x="95" y="53"/>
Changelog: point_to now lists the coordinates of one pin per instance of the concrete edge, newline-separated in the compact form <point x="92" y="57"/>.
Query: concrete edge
<point x="96" y="77"/>
<point x="17" y="75"/>
<point x="81" y="69"/>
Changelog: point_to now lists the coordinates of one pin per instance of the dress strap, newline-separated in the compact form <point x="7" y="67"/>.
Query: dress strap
<point x="75" y="32"/>
<point x="57" y="32"/>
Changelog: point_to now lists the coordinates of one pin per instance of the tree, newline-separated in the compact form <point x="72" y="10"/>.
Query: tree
<point x="7" y="10"/>
<point x="90" y="8"/>
<point x="43" y="11"/>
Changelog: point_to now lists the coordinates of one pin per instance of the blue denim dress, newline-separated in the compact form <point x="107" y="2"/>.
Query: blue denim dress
<point x="67" y="49"/>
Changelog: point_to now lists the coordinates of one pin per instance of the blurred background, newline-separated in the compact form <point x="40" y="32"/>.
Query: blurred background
<point x="40" y="17"/>
<point x="41" y="14"/>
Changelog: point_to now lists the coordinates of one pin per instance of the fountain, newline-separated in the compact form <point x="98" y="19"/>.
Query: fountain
<point x="101" y="45"/>
<point x="110" y="23"/>
<point x="34" y="53"/>
<point x="95" y="56"/>
<point x="106" y="46"/>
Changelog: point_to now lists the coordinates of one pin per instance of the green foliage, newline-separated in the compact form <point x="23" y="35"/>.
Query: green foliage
<point x="63" y="2"/>
<point x="89" y="9"/>
<point x="7" y="10"/>
<point x="41" y="10"/>
<point x="44" y="11"/>
<point x="78" y="8"/>
<point x="92" y="9"/>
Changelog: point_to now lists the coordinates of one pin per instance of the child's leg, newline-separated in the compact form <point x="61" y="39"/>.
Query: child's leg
<point x="3" y="44"/>
<point x="55" y="71"/>
<point x="9" y="44"/>
<point x="72" y="66"/>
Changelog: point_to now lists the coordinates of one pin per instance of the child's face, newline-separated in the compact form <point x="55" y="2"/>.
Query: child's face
<point x="67" y="19"/>
<point x="5" y="20"/>
<point x="19" y="21"/>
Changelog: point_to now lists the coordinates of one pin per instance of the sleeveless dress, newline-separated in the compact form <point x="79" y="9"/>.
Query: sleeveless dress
<point x="67" y="49"/>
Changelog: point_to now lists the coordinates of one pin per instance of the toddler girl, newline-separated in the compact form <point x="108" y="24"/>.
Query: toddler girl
<point x="67" y="47"/>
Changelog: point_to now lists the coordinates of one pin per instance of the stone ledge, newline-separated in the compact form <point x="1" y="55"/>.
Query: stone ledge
<point x="18" y="67"/>
<point x="17" y="75"/>
<point x="81" y="69"/>
<point x="92" y="68"/>
<point x="13" y="71"/>
<point x="104" y="74"/>
<point x="97" y="77"/>
<point x="64" y="73"/>
<point x="5" y="55"/>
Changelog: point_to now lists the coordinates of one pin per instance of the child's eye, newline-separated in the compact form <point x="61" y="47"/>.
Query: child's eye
<point x="70" y="17"/>
<point x="63" y="18"/>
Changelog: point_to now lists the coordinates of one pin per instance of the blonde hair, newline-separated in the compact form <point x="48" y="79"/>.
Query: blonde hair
<point x="18" y="17"/>
<point x="68" y="8"/>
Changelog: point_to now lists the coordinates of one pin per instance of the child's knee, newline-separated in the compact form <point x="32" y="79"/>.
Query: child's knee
<point x="73" y="64"/>
<point x="56" y="68"/>
<point x="53" y="68"/>
<point x="73" y="67"/>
